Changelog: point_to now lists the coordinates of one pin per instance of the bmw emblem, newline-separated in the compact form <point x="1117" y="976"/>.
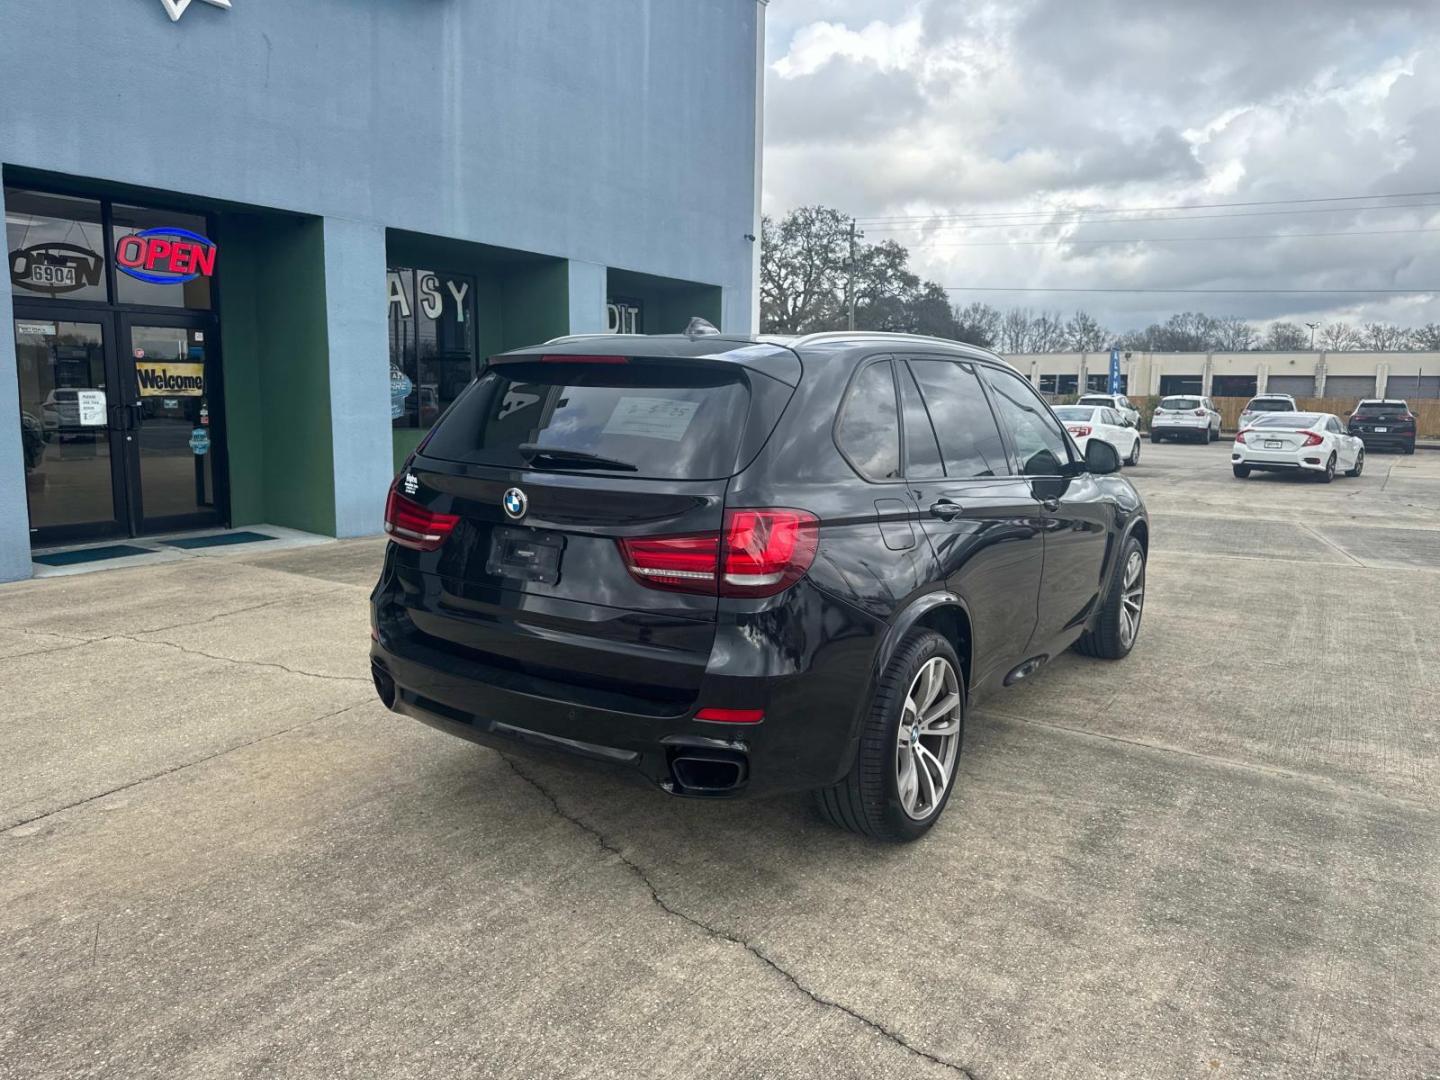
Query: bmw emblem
<point x="515" y="504"/>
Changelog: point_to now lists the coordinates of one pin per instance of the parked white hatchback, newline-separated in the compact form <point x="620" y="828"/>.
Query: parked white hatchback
<point x="1086" y="422"/>
<point x="1185" y="416"/>
<point x="1265" y="403"/>
<point x="1314" y="443"/>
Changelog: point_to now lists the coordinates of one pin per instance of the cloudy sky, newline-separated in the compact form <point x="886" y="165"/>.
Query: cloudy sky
<point x="983" y="124"/>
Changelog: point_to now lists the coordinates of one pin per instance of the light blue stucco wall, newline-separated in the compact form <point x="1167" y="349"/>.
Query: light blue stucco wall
<point x="359" y="373"/>
<point x="618" y="134"/>
<point x="14" y="516"/>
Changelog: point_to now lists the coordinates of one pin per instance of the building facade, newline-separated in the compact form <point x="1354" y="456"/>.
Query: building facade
<point x="1342" y="375"/>
<point x="255" y="248"/>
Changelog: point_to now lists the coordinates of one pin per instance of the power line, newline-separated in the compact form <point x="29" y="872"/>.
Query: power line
<point x="1205" y="292"/>
<point x="1140" y="221"/>
<point x="1182" y="239"/>
<point x="1145" y="209"/>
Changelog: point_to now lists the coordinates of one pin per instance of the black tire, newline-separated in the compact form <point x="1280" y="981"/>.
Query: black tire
<point x="1106" y="639"/>
<point x="1329" y="473"/>
<point x="1154" y="438"/>
<point x="1134" y="458"/>
<point x="867" y="801"/>
<point x="1359" y="465"/>
<point x="1410" y="448"/>
<point x="1241" y="472"/>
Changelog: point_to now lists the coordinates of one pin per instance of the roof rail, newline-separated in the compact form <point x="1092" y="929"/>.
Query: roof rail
<point x="882" y="335"/>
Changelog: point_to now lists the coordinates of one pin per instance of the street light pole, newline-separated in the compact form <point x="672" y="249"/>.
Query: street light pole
<point x="850" y="280"/>
<point x="1312" y="326"/>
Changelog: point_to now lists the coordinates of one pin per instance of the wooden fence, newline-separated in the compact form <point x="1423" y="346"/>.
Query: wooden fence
<point x="1427" y="411"/>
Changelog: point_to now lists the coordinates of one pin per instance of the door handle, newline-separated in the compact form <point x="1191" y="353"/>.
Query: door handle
<point x="946" y="509"/>
<point x="1050" y="504"/>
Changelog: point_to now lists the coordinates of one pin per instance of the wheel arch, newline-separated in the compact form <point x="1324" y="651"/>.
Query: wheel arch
<point x="944" y="612"/>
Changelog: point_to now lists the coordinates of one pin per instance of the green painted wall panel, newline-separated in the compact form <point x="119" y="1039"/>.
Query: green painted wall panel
<point x="277" y="386"/>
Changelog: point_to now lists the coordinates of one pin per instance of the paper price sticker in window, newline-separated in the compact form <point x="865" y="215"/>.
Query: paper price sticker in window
<point x="652" y="418"/>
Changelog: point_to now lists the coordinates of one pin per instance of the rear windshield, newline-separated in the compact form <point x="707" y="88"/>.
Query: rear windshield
<point x="1180" y="403"/>
<point x="1293" y="421"/>
<point x="1075" y="412"/>
<point x="678" y="420"/>
<point x="1382" y="408"/>
<point x="1270" y="405"/>
<point x="1097" y="400"/>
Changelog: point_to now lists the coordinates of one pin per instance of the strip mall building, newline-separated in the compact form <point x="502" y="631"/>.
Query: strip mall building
<point x="255" y="248"/>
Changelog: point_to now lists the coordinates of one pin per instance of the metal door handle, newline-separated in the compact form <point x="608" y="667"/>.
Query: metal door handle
<point x="1050" y="504"/>
<point x="945" y="509"/>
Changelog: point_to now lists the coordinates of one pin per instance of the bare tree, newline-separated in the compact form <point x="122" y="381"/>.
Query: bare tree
<point x="1047" y="332"/>
<point x="1234" y="334"/>
<point x="1384" y="337"/>
<point x="1015" y="330"/>
<point x="1286" y="337"/>
<point x="1426" y="338"/>
<point x="1339" y="337"/>
<point x="1084" y="334"/>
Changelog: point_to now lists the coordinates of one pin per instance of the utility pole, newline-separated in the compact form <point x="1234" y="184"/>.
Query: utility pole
<point x="1312" y="326"/>
<point x="850" y="279"/>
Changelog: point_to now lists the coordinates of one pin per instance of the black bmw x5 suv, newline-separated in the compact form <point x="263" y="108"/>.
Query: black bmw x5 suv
<point x="745" y="566"/>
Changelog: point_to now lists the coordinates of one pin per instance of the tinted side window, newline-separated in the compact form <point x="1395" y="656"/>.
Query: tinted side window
<point x="1040" y="444"/>
<point x="922" y="452"/>
<point x="968" y="433"/>
<point x="869" y="431"/>
<point x="1112" y="418"/>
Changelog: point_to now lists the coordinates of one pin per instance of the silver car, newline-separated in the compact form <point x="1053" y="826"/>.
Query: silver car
<point x="1185" y="416"/>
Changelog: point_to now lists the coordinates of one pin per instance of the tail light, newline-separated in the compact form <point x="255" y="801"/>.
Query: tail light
<point x="1240" y="435"/>
<point x="731" y="716"/>
<point x="413" y="526"/>
<point x="1313" y="439"/>
<point x="759" y="552"/>
<point x="1408" y="418"/>
<point x="1199" y="412"/>
<point x="1080" y="431"/>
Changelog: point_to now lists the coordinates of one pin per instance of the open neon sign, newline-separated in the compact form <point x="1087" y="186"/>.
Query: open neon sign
<point x="165" y="256"/>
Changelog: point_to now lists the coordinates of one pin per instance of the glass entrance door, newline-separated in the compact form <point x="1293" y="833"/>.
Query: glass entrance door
<point x="72" y="425"/>
<point x="172" y="400"/>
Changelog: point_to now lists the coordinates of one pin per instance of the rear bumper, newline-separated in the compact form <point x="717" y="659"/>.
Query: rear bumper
<point x="1371" y="438"/>
<point x="805" y="741"/>
<point x="1283" y="461"/>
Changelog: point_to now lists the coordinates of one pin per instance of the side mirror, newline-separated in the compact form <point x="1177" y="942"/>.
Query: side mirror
<point x="1101" y="457"/>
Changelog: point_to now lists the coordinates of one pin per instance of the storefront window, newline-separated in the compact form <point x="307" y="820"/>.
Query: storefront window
<point x="55" y="245"/>
<point x="162" y="259"/>
<point x="433" y="343"/>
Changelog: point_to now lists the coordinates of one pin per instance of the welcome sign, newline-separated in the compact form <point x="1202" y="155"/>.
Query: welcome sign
<point x="170" y="379"/>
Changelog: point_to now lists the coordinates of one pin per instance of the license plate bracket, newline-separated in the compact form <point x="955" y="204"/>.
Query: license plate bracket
<point x="1272" y="444"/>
<point x="1381" y="430"/>
<point x="525" y="554"/>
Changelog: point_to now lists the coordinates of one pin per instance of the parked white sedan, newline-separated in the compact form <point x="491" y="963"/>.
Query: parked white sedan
<point x="1086" y="422"/>
<point x="1314" y="443"/>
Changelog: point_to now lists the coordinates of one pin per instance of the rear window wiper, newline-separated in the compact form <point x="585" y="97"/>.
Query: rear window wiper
<point x="582" y="459"/>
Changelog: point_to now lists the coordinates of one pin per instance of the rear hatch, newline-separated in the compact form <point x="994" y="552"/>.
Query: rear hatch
<point x="1383" y="419"/>
<point x="546" y="462"/>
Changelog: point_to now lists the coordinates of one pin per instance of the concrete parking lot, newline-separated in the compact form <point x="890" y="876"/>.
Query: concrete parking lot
<point x="222" y="858"/>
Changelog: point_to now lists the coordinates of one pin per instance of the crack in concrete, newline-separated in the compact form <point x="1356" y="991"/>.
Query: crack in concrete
<point x="1273" y="771"/>
<point x="644" y="878"/>
<point x="177" y="768"/>
<point x="234" y="660"/>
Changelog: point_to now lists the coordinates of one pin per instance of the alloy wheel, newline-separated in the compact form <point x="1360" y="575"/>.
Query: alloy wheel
<point x="929" y="738"/>
<point x="1132" y="598"/>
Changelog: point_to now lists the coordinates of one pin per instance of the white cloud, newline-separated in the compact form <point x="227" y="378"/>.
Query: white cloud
<point x="945" y="107"/>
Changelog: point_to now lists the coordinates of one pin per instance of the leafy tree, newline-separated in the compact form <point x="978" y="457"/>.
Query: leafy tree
<point x="1286" y="337"/>
<point x="979" y="324"/>
<point x="802" y="269"/>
